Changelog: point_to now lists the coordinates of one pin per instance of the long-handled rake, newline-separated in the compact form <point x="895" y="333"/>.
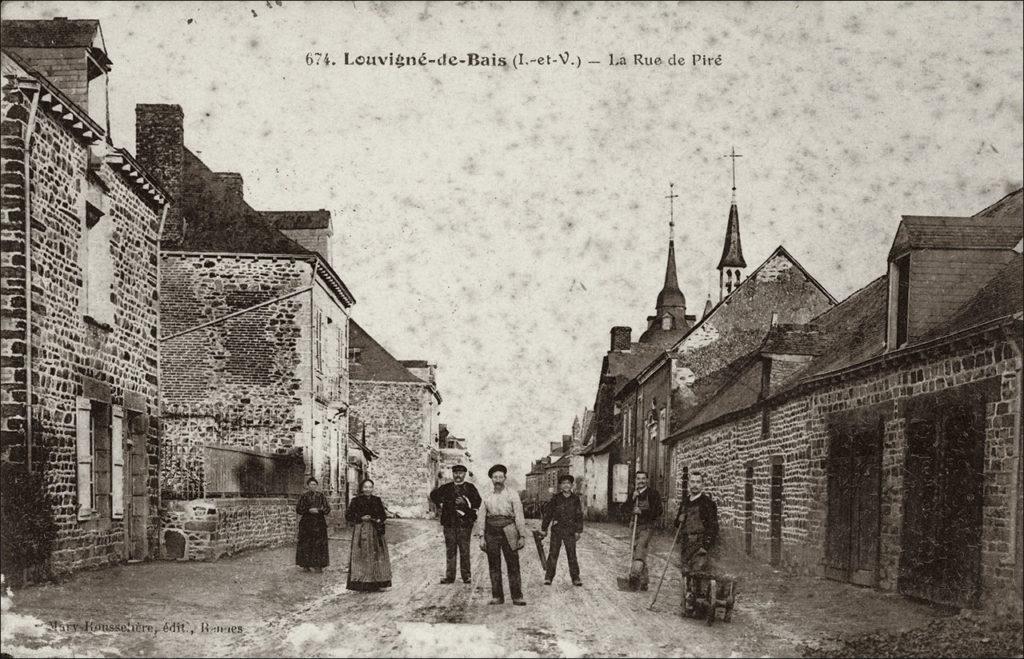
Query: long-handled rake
<point x="667" y="558"/>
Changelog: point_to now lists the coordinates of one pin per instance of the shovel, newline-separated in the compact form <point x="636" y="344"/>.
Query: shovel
<point x="538" y="538"/>
<point x="628" y="582"/>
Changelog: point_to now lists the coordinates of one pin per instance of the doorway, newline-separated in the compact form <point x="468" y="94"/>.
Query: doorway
<point x="778" y="471"/>
<point x="136" y="499"/>
<point x="854" y="484"/>
<point x="942" y="521"/>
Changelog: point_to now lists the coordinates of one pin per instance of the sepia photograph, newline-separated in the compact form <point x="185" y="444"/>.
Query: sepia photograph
<point x="511" y="329"/>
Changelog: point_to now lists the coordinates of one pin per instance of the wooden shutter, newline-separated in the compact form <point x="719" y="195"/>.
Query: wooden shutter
<point x="83" y="441"/>
<point x="117" y="462"/>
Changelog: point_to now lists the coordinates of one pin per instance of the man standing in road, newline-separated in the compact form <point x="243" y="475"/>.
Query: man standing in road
<point x="503" y="534"/>
<point x="564" y="513"/>
<point x="645" y="503"/>
<point x="698" y="515"/>
<point x="458" y="501"/>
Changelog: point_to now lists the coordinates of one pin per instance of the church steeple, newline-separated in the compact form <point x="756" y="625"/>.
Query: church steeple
<point x="669" y="320"/>
<point x="730" y="266"/>
<point x="671" y="299"/>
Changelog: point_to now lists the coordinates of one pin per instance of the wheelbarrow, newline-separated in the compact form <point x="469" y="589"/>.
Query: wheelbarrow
<point x="706" y="593"/>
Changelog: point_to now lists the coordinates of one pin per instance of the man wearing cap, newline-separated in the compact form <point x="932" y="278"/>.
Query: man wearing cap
<point x="564" y="514"/>
<point x="458" y="501"/>
<point x="503" y="534"/>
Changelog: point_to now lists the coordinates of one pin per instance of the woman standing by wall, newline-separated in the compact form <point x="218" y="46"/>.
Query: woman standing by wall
<point x="312" y="508"/>
<point x="369" y="567"/>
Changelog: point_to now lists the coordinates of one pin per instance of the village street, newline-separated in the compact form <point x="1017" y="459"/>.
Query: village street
<point x="259" y="604"/>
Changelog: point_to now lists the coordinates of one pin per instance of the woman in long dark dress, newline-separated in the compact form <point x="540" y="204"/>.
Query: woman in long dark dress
<point x="369" y="567"/>
<point x="313" y="508"/>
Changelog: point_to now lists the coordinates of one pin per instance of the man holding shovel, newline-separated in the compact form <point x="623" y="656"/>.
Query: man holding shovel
<point x="645" y="504"/>
<point x="564" y="513"/>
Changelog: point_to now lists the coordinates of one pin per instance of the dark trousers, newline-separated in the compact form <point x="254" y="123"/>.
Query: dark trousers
<point x="456" y="541"/>
<point x="497" y="545"/>
<point x="558" y="538"/>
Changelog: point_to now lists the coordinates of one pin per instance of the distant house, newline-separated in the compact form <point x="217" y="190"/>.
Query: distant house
<point x="253" y="350"/>
<point x="879" y="442"/>
<point x="80" y="377"/>
<point x="397" y="402"/>
<point x="453" y="452"/>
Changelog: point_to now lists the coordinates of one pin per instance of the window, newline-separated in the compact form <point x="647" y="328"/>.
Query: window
<point x="666" y="322"/>
<point x="902" y="299"/>
<point x="100" y="456"/>
<point x="318" y="338"/>
<point x="96" y="262"/>
<point x="353" y="356"/>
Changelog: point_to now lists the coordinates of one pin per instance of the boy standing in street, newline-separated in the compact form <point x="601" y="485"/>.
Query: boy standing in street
<point x="564" y="514"/>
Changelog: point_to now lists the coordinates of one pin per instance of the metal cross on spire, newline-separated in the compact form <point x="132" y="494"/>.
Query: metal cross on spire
<point x="671" y="211"/>
<point x="734" y="156"/>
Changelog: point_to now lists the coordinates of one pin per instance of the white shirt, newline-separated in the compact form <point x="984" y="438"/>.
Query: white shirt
<point x="506" y="503"/>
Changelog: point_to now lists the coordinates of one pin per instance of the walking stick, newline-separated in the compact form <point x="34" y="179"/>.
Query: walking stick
<point x="667" y="557"/>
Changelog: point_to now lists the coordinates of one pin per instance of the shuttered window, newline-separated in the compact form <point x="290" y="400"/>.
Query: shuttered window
<point x="117" y="463"/>
<point x="84" y="443"/>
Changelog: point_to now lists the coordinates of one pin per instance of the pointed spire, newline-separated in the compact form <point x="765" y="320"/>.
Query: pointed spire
<point x="732" y="253"/>
<point x="670" y="295"/>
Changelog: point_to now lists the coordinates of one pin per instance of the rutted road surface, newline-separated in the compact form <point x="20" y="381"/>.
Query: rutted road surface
<point x="259" y="604"/>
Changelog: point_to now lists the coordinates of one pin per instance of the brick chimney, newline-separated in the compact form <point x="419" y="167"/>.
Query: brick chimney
<point x="622" y="338"/>
<point x="160" y="148"/>
<point x="232" y="182"/>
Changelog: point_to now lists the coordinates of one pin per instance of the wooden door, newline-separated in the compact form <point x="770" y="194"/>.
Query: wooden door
<point x="776" y="512"/>
<point x="854" y="504"/>
<point x="136" y="491"/>
<point x="942" y="521"/>
<point x="748" y="511"/>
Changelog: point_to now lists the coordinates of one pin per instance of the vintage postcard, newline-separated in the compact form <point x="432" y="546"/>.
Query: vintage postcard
<point x="532" y="329"/>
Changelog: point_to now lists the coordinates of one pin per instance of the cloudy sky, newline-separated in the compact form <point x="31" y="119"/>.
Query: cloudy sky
<point x="500" y="221"/>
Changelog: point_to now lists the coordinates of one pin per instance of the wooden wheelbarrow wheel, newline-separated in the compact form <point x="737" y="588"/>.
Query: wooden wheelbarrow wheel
<point x="713" y="587"/>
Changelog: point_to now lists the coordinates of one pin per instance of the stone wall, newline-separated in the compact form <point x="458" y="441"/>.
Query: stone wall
<point x="206" y="529"/>
<point x="68" y="351"/>
<point x="397" y="415"/>
<point x="796" y="433"/>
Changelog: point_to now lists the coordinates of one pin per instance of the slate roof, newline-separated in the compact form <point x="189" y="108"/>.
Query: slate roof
<point x="624" y="366"/>
<point x="794" y="339"/>
<point x="56" y="33"/>
<point x="563" y="461"/>
<point x="375" y="363"/>
<point x="855" y="328"/>
<point x="854" y="331"/>
<point x="998" y="231"/>
<point x="1002" y="296"/>
<point x="219" y="220"/>
<point x="289" y="220"/>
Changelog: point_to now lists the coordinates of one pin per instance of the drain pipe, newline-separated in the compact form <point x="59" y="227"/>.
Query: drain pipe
<point x="28" y="86"/>
<point x="1015" y="478"/>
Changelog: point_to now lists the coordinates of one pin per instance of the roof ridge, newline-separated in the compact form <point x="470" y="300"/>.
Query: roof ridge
<point x="982" y="212"/>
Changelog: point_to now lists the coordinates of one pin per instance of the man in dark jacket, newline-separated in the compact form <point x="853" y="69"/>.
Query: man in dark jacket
<point x="645" y="503"/>
<point x="458" y="501"/>
<point x="564" y="514"/>
<point x="698" y="515"/>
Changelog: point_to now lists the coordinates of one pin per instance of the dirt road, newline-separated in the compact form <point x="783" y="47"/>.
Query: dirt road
<point x="260" y="605"/>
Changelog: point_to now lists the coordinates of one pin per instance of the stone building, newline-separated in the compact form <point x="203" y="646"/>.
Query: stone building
<point x="397" y="401"/>
<point x="647" y="387"/>
<point x="880" y="442"/>
<point x="78" y="296"/>
<point x="452" y="451"/>
<point x="253" y="355"/>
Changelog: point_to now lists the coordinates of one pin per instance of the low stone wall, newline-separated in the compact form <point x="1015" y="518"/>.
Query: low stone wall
<point x="206" y="529"/>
